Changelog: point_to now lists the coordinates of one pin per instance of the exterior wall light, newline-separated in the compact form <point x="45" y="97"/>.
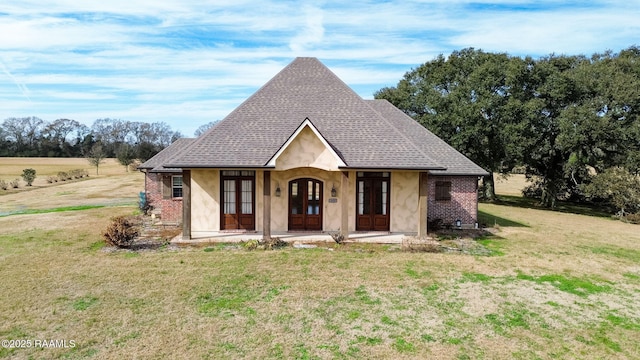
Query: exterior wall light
<point x="278" y="192"/>
<point x="458" y="223"/>
<point x="334" y="192"/>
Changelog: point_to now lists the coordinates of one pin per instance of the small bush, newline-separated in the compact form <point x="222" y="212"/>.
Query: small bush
<point x="632" y="218"/>
<point x="78" y="173"/>
<point x="271" y="244"/>
<point x="15" y="183"/>
<point x="3" y="185"/>
<point x="62" y="176"/>
<point x="250" y="244"/>
<point x="121" y="232"/>
<point x="337" y="237"/>
<point x="28" y="175"/>
<point x="274" y="243"/>
<point x="51" y="179"/>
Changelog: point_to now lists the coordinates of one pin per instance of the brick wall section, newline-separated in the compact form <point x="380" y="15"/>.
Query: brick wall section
<point x="170" y="210"/>
<point x="463" y="204"/>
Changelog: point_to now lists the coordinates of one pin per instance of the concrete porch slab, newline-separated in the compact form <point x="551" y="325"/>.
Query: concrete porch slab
<point x="293" y="237"/>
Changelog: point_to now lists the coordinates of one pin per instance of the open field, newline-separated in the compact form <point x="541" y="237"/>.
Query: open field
<point x="113" y="185"/>
<point x="511" y="185"/>
<point x="11" y="169"/>
<point x="558" y="285"/>
<point x="13" y="166"/>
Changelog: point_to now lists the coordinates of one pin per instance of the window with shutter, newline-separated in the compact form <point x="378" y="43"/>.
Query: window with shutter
<point x="176" y="186"/>
<point x="166" y="187"/>
<point x="443" y="190"/>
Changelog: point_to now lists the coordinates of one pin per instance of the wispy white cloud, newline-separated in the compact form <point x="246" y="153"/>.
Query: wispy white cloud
<point x="191" y="61"/>
<point x="567" y="30"/>
<point x="75" y="95"/>
<point x="21" y="86"/>
<point x="313" y="31"/>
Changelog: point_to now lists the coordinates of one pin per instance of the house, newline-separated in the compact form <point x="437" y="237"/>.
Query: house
<point x="163" y="186"/>
<point x="306" y="153"/>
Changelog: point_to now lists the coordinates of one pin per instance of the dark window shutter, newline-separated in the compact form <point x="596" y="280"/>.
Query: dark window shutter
<point x="166" y="187"/>
<point x="443" y="190"/>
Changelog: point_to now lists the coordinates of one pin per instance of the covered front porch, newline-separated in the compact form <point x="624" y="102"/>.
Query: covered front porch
<point x="305" y="187"/>
<point x="303" y="201"/>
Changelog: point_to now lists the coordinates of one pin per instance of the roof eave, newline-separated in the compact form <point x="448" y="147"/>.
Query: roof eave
<point x="201" y="166"/>
<point x="413" y="168"/>
<point x="445" y="173"/>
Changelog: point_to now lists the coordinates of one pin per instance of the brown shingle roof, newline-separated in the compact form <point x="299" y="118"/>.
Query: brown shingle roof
<point x="156" y="163"/>
<point x="366" y="134"/>
<point x="428" y="142"/>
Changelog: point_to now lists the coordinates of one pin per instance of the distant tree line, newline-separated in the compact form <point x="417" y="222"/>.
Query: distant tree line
<point x="32" y="136"/>
<point x="561" y="120"/>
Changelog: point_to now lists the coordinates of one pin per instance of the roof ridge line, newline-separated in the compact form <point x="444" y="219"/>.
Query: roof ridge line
<point x="237" y="108"/>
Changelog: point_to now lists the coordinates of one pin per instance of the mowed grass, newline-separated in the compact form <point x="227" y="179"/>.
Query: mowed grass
<point x="114" y="186"/>
<point x="561" y="286"/>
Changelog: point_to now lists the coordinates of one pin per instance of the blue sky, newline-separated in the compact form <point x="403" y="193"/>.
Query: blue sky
<point x="189" y="62"/>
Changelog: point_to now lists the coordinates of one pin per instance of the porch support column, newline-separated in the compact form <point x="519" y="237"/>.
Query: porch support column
<point x="423" y="204"/>
<point x="266" y="212"/>
<point x="186" y="204"/>
<point x="344" y="214"/>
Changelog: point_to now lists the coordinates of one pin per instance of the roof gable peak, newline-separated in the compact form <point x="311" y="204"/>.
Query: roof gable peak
<point x="306" y="124"/>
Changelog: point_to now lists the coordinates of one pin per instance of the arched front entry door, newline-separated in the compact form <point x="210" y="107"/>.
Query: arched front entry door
<point x="305" y="204"/>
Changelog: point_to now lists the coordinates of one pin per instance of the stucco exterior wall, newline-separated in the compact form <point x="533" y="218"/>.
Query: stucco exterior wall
<point x="306" y="150"/>
<point x="463" y="204"/>
<point x="205" y="201"/>
<point x="404" y="201"/>
<point x="330" y="210"/>
<point x="169" y="210"/>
